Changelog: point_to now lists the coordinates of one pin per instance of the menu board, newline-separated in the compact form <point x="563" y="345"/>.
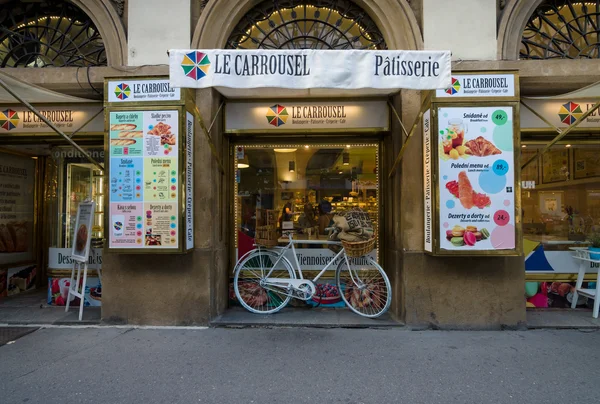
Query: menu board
<point x="476" y="178"/>
<point x="587" y="162"/>
<point x="17" y="183"/>
<point x="144" y="179"/>
<point x="83" y="225"/>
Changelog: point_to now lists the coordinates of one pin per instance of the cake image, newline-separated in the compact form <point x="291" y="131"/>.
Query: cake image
<point x="22" y="280"/>
<point x="96" y="293"/>
<point x="81" y="240"/>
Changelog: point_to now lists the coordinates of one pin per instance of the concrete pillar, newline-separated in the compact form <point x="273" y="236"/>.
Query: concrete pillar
<point x="156" y="26"/>
<point x="466" y="27"/>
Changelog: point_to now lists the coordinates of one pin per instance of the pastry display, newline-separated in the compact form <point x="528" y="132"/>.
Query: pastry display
<point x="122" y="142"/>
<point x="123" y="126"/>
<point x="481" y="147"/>
<point x="365" y="296"/>
<point x="459" y="236"/>
<point x="14" y="237"/>
<point x="160" y="129"/>
<point x="463" y="190"/>
<point x="131" y="134"/>
<point x="164" y="131"/>
<point x="326" y="294"/>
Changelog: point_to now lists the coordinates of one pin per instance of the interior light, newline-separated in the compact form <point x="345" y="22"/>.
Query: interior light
<point x="346" y="158"/>
<point x="292" y="165"/>
<point x="347" y="146"/>
<point x="306" y="147"/>
<point x="284" y="150"/>
<point x="243" y="165"/>
<point x="568" y="145"/>
<point x="523" y="146"/>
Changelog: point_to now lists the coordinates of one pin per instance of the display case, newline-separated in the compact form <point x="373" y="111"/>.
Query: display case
<point x="84" y="182"/>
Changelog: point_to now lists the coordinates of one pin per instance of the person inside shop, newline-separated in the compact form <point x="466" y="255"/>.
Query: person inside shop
<point x="286" y="214"/>
<point x="325" y="216"/>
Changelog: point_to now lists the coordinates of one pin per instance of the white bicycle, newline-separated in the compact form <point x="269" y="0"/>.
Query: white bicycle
<point x="265" y="280"/>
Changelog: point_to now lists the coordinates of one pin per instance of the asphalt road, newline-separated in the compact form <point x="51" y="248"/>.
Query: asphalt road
<point x="294" y="365"/>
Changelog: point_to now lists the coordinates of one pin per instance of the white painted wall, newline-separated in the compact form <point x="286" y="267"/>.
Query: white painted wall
<point x="156" y="26"/>
<point x="466" y="27"/>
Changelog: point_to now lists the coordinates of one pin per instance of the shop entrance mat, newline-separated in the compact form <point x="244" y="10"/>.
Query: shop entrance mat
<point x="8" y="334"/>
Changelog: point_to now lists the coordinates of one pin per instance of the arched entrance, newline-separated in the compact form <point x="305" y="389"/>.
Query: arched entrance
<point x="61" y="34"/>
<point x="393" y="18"/>
<point x="549" y="29"/>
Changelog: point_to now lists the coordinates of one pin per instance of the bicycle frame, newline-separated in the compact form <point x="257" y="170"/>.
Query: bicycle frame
<point x="298" y="268"/>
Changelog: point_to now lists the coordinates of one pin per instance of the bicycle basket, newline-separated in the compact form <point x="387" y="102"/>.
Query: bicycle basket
<point x="356" y="249"/>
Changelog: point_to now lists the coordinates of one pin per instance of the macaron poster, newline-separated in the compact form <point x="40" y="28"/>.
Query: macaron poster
<point x="476" y="178"/>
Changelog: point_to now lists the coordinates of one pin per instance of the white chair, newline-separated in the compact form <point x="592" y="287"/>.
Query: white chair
<point x="583" y="256"/>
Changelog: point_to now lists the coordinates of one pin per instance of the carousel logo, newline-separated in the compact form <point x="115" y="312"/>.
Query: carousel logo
<point x="195" y="64"/>
<point x="9" y="119"/>
<point x="277" y="115"/>
<point x="454" y="88"/>
<point x="122" y="91"/>
<point x="570" y="112"/>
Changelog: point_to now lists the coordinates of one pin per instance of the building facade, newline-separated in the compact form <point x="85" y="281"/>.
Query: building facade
<point x="72" y="47"/>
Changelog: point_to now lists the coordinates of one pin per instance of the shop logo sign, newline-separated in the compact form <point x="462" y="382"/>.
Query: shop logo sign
<point x="277" y="115"/>
<point x="9" y="119"/>
<point x="570" y="112"/>
<point x="454" y="88"/>
<point x="195" y="64"/>
<point x="122" y="91"/>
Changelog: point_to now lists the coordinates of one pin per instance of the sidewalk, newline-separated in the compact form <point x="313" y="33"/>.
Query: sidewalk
<point x="31" y="309"/>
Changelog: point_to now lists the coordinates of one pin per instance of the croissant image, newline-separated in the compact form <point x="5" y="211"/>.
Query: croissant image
<point x="481" y="147"/>
<point x="465" y="190"/>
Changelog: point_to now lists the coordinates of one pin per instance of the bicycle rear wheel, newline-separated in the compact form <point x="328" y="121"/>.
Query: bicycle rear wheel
<point x="249" y="287"/>
<point x="364" y="287"/>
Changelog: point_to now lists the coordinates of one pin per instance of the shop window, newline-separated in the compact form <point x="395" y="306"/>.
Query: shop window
<point x="48" y="33"/>
<point x="561" y="193"/>
<point x="303" y="187"/>
<point x="301" y="24"/>
<point x="74" y="180"/>
<point x="562" y="29"/>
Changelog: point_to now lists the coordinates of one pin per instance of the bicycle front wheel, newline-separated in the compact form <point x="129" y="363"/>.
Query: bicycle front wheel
<point x="250" y="288"/>
<point x="364" y="287"/>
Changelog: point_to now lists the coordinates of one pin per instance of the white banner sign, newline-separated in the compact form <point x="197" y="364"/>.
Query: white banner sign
<point x="124" y="90"/>
<point x="60" y="258"/>
<point x="302" y="69"/>
<point x="280" y="116"/>
<point x="560" y="113"/>
<point x="479" y="85"/>
<point x="17" y="119"/>
<point x="189" y="181"/>
<point x="427" y="180"/>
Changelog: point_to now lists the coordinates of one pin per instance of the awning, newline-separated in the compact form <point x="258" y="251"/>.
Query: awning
<point x="12" y="90"/>
<point x="34" y="94"/>
<point x="592" y="91"/>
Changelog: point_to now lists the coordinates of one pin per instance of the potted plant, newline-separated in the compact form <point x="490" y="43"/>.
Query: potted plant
<point x="594" y="248"/>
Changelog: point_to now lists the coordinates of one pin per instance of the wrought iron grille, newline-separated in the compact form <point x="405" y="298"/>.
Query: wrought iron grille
<point x="48" y="33"/>
<point x="563" y="29"/>
<point x="302" y="24"/>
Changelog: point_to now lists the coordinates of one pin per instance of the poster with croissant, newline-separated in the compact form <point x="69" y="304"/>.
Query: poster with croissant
<point x="17" y="179"/>
<point x="476" y="178"/>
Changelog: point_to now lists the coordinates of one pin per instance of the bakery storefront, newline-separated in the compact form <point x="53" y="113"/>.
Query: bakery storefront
<point x="560" y="193"/>
<point x="42" y="181"/>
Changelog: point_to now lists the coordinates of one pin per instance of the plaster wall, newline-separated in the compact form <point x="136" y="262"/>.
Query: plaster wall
<point x="154" y="27"/>
<point x="466" y="27"/>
